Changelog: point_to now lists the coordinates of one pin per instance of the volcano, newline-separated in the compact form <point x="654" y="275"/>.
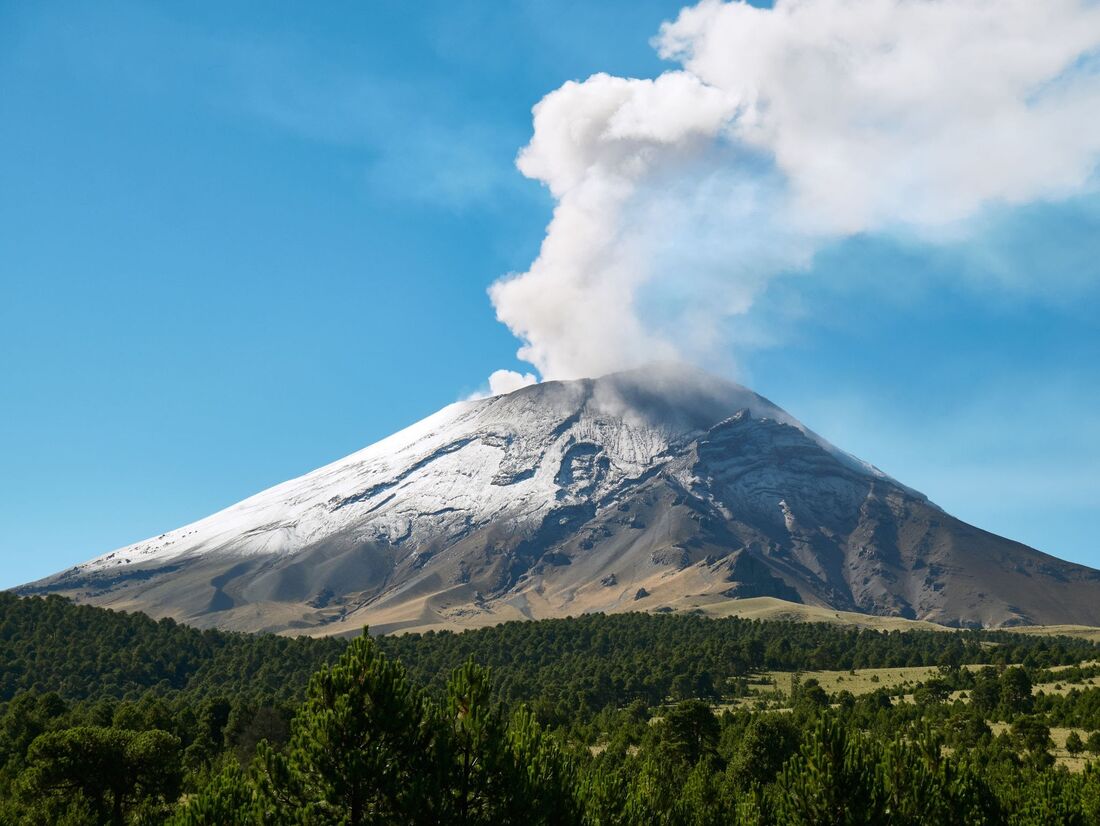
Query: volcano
<point x="663" y="489"/>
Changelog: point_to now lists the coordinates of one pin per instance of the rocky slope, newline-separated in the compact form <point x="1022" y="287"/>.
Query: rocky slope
<point x="661" y="489"/>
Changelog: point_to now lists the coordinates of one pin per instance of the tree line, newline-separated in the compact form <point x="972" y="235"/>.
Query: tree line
<point x="629" y="719"/>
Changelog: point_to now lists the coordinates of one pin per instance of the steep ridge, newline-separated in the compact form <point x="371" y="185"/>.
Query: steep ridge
<point x="660" y="489"/>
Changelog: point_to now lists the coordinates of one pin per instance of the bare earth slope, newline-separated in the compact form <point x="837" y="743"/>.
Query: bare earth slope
<point x="649" y="490"/>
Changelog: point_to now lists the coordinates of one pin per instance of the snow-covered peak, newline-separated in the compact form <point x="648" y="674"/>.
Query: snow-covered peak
<point x="656" y="489"/>
<point x="474" y="462"/>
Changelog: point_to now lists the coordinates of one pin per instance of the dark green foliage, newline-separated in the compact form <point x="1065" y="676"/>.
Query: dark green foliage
<point x="49" y="644"/>
<point x="831" y="780"/>
<point x="227" y="799"/>
<point x="842" y="776"/>
<point x="566" y="670"/>
<point x="768" y="742"/>
<point x="1093" y="743"/>
<point x="109" y="770"/>
<point x="112" y="718"/>
<point x="967" y="730"/>
<point x="361" y="750"/>
<point x="368" y="748"/>
<point x="1015" y="691"/>
<point x="932" y="692"/>
<point x="1074" y="743"/>
<point x="569" y="670"/>
<point x="691" y="730"/>
<point x="808" y="697"/>
<point x="1031" y="735"/>
<point x="985" y="694"/>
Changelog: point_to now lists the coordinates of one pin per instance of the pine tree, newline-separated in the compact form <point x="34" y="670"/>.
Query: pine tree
<point x="546" y="776"/>
<point x="1074" y="743"/>
<point x="831" y="782"/>
<point x="228" y="799"/>
<point x="480" y="767"/>
<point x="112" y="770"/>
<point x="361" y="749"/>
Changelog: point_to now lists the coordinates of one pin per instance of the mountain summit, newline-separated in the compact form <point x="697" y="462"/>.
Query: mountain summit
<point x="655" y="489"/>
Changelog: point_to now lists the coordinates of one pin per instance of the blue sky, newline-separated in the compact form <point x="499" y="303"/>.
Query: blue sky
<point x="238" y="241"/>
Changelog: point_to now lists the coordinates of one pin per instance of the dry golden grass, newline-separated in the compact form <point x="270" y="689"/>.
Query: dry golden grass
<point x="866" y="680"/>
<point x="452" y="608"/>
<point x="1083" y="631"/>
<point x="861" y="681"/>
<point x="1064" y="688"/>
<point x="770" y="608"/>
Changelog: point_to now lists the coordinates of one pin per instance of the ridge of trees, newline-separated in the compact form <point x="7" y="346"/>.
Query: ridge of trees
<point x="115" y="718"/>
<point x="83" y="652"/>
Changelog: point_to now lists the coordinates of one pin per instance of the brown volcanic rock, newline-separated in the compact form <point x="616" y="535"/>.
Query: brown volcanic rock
<point x="648" y="490"/>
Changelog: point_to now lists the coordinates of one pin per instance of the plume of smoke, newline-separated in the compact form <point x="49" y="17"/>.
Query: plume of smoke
<point x="678" y="198"/>
<point x="503" y="381"/>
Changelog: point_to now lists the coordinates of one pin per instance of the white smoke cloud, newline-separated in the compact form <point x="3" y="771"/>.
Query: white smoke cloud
<point x="504" y="381"/>
<point x="678" y="198"/>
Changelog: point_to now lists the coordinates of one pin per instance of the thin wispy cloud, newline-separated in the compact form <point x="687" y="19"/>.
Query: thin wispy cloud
<point x="410" y="138"/>
<point x="415" y="144"/>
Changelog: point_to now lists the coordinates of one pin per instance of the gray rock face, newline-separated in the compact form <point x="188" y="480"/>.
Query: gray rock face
<point x="654" y="489"/>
